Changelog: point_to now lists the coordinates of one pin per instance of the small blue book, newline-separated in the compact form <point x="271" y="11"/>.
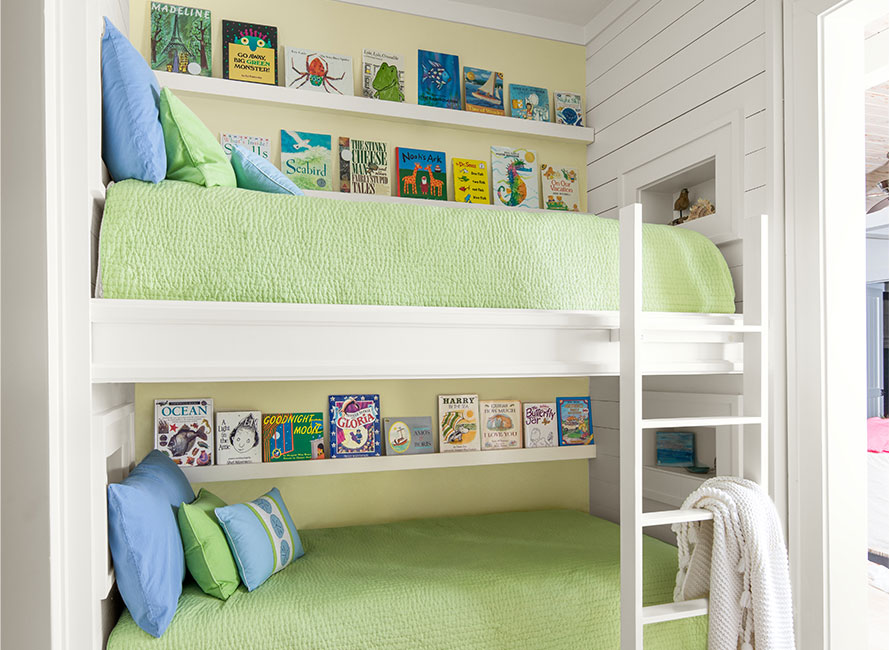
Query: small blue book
<point x="675" y="448"/>
<point x="438" y="79"/>
<point x="529" y="103"/>
<point x="355" y="425"/>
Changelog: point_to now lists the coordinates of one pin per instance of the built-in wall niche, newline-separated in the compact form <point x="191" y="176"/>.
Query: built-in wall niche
<point x="659" y="199"/>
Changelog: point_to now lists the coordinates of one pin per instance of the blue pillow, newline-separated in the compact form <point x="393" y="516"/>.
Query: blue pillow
<point x="262" y="537"/>
<point x="255" y="173"/>
<point x="132" y="138"/>
<point x="149" y="561"/>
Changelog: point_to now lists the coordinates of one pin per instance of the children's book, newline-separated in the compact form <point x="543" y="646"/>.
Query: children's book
<point x="318" y="71"/>
<point x="575" y="420"/>
<point x="250" y="52"/>
<point x="675" y="448"/>
<point x="514" y="177"/>
<point x="484" y="91"/>
<point x="355" y="425"/>
<point x="500" y="424"/>
<point x="470" y="180"/>
<point x="539" y="419"/>
<point x="458" y="423"/>
<point x="383" y="75"/>
<point x="529" y="102"/>
<point x="306" y="160"/>
<point x="567" y="108"/>
<point x="180" y="39"/>
<point x="404" y="436"/>
<point x="260" y="146"/>
<point x="364" y="167"/>
<point x="438" y="79"/>
<point x="293" y="436"/>
<point x="421" y="174"/>
<point x="238" y="438"/>
<point x="560" y="187"/>
<point x="184" y="430"/>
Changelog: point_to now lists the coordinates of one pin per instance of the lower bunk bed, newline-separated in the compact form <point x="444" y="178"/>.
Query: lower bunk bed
<point x="544" y="579"/>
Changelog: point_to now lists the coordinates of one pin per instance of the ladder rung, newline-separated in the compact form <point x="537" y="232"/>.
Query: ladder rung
<point x="704" y="328"/>
<point x="670" y="423"/>
<point x="675" y="516"/>
<point x="675" y="611"/>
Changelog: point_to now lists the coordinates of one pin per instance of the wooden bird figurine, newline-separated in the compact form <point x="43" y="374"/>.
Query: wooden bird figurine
<point x="682" y="202"/>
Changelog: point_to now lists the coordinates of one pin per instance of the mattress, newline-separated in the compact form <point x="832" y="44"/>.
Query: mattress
<point x="878" y="477"/>
<point x="180" y="241"/>
<point x="543" y="580"/>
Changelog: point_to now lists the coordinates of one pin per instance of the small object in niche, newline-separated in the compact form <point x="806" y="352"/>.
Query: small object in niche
<point x="675" y="449"/>
<point x="701" y="208"/>
<point x="682" y="203"/>
<point x="698" y="469"/>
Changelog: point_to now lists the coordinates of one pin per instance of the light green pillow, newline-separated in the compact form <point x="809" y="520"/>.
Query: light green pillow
<point x="193" y="154"/>
<point x="207" y="553"/>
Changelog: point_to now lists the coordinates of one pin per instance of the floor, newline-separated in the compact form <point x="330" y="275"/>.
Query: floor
<point x="879" y="619"/>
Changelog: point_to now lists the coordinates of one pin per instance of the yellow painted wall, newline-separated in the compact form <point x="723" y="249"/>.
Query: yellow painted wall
<point x="343" y="499"/>
<point x="342" y="28"/>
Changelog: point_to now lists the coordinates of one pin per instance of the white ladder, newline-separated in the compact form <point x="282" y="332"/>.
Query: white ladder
<point x="754" y="458"/>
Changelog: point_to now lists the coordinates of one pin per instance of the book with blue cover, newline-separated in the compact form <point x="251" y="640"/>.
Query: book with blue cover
<point x="575" y="420"/>
<point x="421" y="174"/>
<point x="675" y="448"/>
<point x="306" y="160"/>
<point x="567" y="107"/>
<point x="438" y="79"/>
<point x="355" y="425"/>
<point x="529" y="102"/>
<point x="484" y="91"/>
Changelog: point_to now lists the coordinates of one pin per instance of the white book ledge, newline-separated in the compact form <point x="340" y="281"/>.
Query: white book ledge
<point x="372" y="108"/>
<point x="285" y="469"/>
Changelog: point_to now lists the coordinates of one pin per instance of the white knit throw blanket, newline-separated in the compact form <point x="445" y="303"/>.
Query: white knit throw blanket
<point x="740" y="562"/>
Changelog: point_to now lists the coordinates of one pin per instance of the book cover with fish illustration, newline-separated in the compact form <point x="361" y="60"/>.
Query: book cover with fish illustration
<point x="675" y="449"/>
<point x="293" y="436"/>
<point x="180" y="39"/>
<point x="306" y="160"/>
<point x="355" y="425"/>
<point x="483" y="91"/>
<point x="559" y="188"/>
<point x="184" y="430"/>
<point x="539" y="420"/>
<point x="364" y="166"/>
<point x="383" y="75"/>
<point x="458" y="423"/>
<point x="421" y="174"/>
<point x="470" y="180"/>
<point x="405" y="436"/>
<point x="250" y="52"/>
<point x="567" y="108"/>
<point x="259" y="145"/>
<point x="514" y="177"/>
<point x="529" y="102"/>
<point x="318" y="71"/>
<point x="438" y="79"/>
<point x="575" y="420"/>
<point x="239" y="437"/>
<point x="500" y="424"/>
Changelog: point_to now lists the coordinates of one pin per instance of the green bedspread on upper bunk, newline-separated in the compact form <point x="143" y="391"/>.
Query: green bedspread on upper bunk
<point x="179" y="241"/>
<point x="542" y="580"/>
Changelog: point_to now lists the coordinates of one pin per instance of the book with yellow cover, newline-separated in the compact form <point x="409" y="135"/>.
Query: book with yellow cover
<point x="470" y="181"/>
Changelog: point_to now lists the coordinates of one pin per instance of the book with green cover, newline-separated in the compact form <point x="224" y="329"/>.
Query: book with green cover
<point x="306" y="160"/>
<point x="250" y="52"/>
<point x="293" y="436"/>
<point x="180" y="39"/>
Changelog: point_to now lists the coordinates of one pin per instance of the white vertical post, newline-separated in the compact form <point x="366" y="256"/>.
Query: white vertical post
<point x="631" y="426"/>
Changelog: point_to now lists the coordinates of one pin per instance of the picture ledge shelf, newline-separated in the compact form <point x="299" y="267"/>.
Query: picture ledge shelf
<point x="373" y="108"/>
<point x="285" y="469"/>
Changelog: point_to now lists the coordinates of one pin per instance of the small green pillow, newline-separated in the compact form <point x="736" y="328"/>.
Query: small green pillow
<point x="193" y="154"/>
<point x="207" y="553"/>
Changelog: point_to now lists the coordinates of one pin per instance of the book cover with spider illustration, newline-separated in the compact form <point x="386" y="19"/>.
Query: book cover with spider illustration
<point x="355" y="425"/>
<point x="250" y="52"/>
<point x="318" y="71"/>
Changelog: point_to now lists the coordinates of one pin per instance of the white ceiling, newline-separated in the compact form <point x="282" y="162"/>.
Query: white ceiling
<point x="578" y="12"/>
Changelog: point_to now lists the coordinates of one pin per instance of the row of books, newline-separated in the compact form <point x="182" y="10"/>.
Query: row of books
<point x="185" y="431"/>
<point x="180" y="40"/>
<point x="516" y="178"/>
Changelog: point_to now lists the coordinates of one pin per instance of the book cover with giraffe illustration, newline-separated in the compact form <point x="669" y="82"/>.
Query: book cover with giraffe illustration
<point x="421" y="174"/>
<point x="180" y="39"/>
<point x="514" y="177"/>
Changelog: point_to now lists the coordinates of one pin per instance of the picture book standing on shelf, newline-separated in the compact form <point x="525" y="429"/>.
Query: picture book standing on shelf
<point x="250" y="52"/>
<point x="411" y="435"/>
<point x="383" y="75"/>
<point x="529" y="103"/>
<point x="458" y="423"/>
<point x="540" y="424"/>
<point x="514" y="177"/>
<point x="180" y="39"/>
<point x="364" y="167"/>
<point x="184" y="430"/>
<point x="355" y="425"/>
<point x="675" y="448"/>
<point x="238" y="438"/>
<point x="567" y="107"/>
<point x="484" y="91"/>
<point x="575" y="418"/>
<point x="293" y="436"/>
<point x="260" y="146"/>
<point x="470" y="180"/>
<point x="560" y="187"/>
<point x="421" y="174"/>
<point x="438" y="79"/>
<point x="306" y="159"/>
<point x="501" y="424"/>
<point x="318" y="71"/>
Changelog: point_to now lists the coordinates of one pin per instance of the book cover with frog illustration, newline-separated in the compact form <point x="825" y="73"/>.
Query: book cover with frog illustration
<point x="560" y="187"/>
<point x="575" y="420"/>
<point x="292" y="436"/>
<point x="383" y="75"/>
<point x="184" y="430"/>
<point x="355" y="425"/>
<point x="459" y="423"/>
<point x="250" y="52"/>
<point x="408" y="435"/>
<point x="470" y="180"/>
<point x="364" y="166"/>
<point x="514" y="177"/>
<point x="500" y="424"/>
<point x="180" y="39"/>
<point x="540" y="424"/>
<point x="421" y="174"/>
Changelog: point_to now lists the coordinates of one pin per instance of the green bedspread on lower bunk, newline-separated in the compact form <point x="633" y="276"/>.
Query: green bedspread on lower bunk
<point x="536" y="580"/>
<point x="180" y="241"/>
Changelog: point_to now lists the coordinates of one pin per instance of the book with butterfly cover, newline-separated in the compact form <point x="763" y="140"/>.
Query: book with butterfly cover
<point x="355" y="425"/>
<point x="364" y="166"/>
<point x="180" y="39"/>
<point x="250" y="52"/>
<point x="421" y="174"/>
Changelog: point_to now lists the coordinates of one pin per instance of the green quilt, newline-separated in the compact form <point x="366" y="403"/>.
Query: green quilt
<point x="179" y="241"/>
<point x="541" y="580"/>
